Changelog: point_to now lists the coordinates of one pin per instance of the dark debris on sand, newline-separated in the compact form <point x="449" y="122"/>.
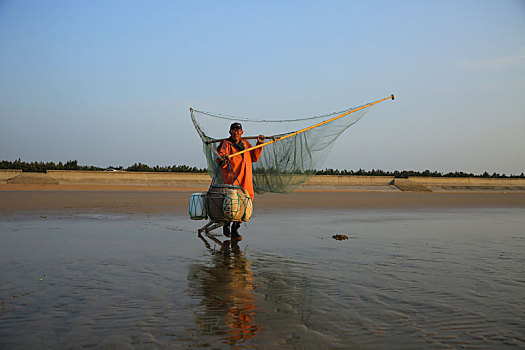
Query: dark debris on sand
<point x="340" y="237"/>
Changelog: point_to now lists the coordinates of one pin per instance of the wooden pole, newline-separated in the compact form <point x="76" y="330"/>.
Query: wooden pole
<point x="310" y="127"/>
<point x="242" y="138"/>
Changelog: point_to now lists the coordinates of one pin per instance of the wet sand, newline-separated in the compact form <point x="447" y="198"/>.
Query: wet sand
<point x="116" y="267"/>
<point x="430" y="278"/>
<point x="125" y="200"/>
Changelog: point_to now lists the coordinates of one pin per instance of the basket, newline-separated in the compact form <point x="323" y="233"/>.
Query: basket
<point x="198" y="206"/>
<point x="228" y="203"/>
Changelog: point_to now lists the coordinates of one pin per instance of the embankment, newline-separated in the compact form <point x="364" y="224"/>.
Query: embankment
<point x="151" y="181"/>
<point x="6" y="174"/>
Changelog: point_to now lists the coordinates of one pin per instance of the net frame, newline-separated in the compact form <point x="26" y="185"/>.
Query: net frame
<point x="288" y="159"/>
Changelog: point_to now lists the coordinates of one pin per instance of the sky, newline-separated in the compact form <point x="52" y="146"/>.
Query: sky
<point x="110" y="83"/>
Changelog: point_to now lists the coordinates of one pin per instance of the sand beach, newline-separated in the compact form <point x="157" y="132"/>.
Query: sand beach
<point x="120" y="265"/>
<point x="427" y="251"/>
<point x="144" y="200"/>
<point x="169" y="192"/>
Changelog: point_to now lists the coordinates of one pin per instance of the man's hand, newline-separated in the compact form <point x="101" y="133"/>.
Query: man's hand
<point x="223" y="161"/>
<point x="260" y="139"/>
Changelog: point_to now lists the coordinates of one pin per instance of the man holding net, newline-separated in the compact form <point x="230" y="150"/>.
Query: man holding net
<point x="237" y="169"/>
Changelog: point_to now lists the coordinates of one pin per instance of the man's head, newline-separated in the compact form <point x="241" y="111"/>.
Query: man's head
<point x="236" y="131"/>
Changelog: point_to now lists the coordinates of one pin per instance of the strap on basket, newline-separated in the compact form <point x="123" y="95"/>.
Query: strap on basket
<point x="232" y="175"/>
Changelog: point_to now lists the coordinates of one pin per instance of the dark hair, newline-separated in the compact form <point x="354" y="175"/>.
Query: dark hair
<point x="235" y="126"/>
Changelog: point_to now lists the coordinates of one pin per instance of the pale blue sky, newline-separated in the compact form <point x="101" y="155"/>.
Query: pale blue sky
<point x="111" y="82"/>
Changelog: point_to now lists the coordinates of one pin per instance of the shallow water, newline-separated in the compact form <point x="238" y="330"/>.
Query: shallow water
<point x="403" y="279"/>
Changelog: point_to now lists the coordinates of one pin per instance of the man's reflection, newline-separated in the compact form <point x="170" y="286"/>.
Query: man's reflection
<point x="226" y="287"/>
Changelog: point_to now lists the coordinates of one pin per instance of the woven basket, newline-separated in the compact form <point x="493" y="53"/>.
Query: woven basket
<point x="249" y="209"/>
<point x="228" y="203"/>
<point x="215" y="200"/>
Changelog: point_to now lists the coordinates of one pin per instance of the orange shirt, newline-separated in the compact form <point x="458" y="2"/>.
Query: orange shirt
<point x="241" y="164"/>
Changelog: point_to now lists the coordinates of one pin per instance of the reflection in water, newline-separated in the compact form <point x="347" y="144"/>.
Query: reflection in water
<point x="227" y="309"/>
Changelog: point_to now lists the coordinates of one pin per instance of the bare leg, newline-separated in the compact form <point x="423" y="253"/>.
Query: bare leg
<point x="235" y="231"/>
<point x="226" y="229"/>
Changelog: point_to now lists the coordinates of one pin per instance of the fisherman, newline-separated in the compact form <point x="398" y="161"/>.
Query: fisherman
<point x="241" y="166"/>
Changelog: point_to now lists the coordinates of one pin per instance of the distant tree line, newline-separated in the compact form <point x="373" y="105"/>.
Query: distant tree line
<point x="166" y="169"/>
<point x="73" y="165"/>
<point x="42" y="167"/>
<point x="407" y="173"/>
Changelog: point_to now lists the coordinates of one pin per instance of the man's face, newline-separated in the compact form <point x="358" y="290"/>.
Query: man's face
<point x="236" y="134"/>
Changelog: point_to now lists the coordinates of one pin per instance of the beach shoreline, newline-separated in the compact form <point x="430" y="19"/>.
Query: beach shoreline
<point x="176" y="201"/>
<point x="137" y="192"/>
<point x="73" y="180"/>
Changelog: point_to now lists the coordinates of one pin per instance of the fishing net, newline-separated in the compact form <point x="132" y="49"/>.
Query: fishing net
<point x="286" y="163"/>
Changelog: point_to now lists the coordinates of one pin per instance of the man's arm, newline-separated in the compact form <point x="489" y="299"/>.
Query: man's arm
<point x="224" y="149"/>
<point x="256" y="153"/>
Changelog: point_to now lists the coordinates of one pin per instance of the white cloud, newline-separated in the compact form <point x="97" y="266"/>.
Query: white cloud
<point x="517" y="84"/>
<point x="495" y="63"/>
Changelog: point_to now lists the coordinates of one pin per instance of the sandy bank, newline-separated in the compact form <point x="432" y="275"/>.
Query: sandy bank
<point x="66" y="180"/>
<point x="176" y="202"/>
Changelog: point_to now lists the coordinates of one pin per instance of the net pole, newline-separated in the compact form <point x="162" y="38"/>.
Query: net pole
<point x="310" y="127"/>
<point x="242" y="138"/>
